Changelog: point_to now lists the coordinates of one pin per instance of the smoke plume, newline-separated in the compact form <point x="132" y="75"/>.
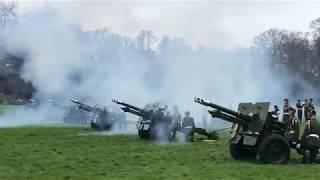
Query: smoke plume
<point x="63" y="61"/>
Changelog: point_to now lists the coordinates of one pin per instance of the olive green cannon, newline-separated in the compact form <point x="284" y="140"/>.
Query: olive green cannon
<point x="255" y="131"/>
<point x="152" y="123"/>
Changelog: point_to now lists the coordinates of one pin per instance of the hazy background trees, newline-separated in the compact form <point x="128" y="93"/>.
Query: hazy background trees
<point x="296" y="54"/>
<point x="292" y="54"/>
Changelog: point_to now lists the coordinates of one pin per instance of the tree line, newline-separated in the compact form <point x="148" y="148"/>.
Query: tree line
<point x="290" y="53"/>
<point x="295" y="53"/>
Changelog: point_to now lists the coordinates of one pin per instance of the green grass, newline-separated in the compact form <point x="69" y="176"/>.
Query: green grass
<point x="70" y="153"/>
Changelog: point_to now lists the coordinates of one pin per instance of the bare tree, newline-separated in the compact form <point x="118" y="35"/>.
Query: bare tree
<point x="289" y="49"/>
<point x="7" y="15"/>
<point x="7" y="11"/>
<point x="145" y="40"/>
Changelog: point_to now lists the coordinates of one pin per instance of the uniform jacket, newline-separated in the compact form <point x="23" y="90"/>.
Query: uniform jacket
<point x="188" y="121"/>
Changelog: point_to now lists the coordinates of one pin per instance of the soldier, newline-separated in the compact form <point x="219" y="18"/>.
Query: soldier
<point x="299" y="110"/>
<point x="160" y="115"/>
<point x="176" y="121"/>
<point x="310" y="142"/>
<point x="275" y="113"/>
<point x="168" y="123"/>
<point x="165" y="109"/>
<point x="159" y="128"/>
<point x="188" y="127"/>
<point x="276" y="110"/>
<point x="310" y="105"/>
<point x="289" y="115"/>
<point x="306" y="109"/>
<point x="285" y="110"/>
<point x="288" y="112"/>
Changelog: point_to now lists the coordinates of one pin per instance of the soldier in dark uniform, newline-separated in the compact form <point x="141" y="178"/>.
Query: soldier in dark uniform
<point x="159" y="128"/>
<point x="299" y="110"/>
<point x="276" y="110"/>
<point x="310" y="142"/>
<point x="285" y="116"/>
<point x="176" y="121"/>
<point x="310" y="105"/>
<point x="188" y="127"/>
<point x="275" y="113"/>
<point x="288" y="112"/>
<point x="305" y="105"/>
<point x="168" y="123"/>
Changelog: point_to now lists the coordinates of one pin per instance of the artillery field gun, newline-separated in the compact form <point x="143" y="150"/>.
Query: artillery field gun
<point x="152" y="123"/>
<point x="72" y="115"/>
<point x="255" y="131"/>
<point x="100" y="118"/>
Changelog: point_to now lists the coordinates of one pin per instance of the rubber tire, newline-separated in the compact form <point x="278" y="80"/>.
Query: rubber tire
<point x="239" y="152"/>
<point x="143" y="134"/>
<point x="280" y="145"/>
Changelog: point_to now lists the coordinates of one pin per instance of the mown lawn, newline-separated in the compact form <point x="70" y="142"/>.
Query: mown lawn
<point x="76" y="153"/>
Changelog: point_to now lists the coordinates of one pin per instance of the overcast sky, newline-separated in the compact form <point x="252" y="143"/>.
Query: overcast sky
<point x="226" y="24"/>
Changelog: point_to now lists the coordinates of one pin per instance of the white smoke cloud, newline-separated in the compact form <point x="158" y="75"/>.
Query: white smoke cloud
<point x="45" y="115"/>
<point x="64" y="61"/>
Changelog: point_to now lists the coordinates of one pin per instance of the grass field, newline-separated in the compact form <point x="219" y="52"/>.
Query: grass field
<point x="76" y="153"/>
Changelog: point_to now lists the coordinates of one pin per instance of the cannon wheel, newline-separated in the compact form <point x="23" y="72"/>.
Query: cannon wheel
<point x="274" y="149"/>
<point x="100" y="127"/>
<point x="143" y="134"/>
<point x="239" y="152"/>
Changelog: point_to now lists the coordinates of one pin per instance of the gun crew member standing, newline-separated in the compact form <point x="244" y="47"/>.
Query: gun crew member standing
<point x="310" y="106"/>
<point x="310" y="143"/>
<point x="299" y="110"/>
<point x="188" y="127"/>
<point x="288" y="112"/>
<point x="306" y="109"/>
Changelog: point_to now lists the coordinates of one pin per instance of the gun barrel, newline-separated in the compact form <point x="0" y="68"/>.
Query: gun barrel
<point x="75" y="101"/>
<point x="228" y="117"/>
<point x="132" y="111"/>
<point x="127" y="105"/>
<point x="223" y="109"/>
<point x="83" y="106"/>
